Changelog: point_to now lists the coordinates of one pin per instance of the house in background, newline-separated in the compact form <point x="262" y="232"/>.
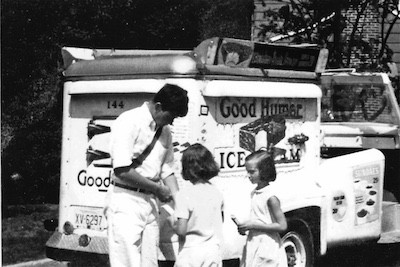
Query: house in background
<point x="264" y="17"/>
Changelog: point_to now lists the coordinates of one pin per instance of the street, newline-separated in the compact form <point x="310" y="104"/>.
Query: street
<point x="382" y="255"/>
<point x="374" y="255"/>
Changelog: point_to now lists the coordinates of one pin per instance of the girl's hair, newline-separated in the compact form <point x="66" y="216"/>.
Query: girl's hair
<point x="198" y="164"/>
<point x="265" y="164"/>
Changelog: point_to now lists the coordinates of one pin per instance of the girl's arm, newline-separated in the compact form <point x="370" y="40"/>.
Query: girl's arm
<point x="181" y="230"/>
<point x="181" y="227"/>
<point x="278" y="225"/>
<point x="277" y="215"/>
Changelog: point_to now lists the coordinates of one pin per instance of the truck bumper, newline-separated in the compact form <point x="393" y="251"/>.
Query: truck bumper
<point x="62" y="247"/>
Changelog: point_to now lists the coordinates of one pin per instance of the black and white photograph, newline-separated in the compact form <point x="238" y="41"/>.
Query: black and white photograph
<point x="200" y="133"/>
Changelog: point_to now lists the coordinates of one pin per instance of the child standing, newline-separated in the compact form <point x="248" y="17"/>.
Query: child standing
<point x="199" y="211"/>
<point x="263" y="246"/>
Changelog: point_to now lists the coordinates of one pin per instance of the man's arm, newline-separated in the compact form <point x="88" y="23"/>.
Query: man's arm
<point x="167" y="169"/>
<point x="131" y="177"/>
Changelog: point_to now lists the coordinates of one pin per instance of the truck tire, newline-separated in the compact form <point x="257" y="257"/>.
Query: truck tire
<point x="299" y="247"/>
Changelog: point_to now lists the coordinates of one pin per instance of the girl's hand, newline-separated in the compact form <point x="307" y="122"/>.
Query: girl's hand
<point x="172" y="221"/>
<point x="244" y="227"/>
<point x="239" y="225"/>
<point x="241" y="231"/>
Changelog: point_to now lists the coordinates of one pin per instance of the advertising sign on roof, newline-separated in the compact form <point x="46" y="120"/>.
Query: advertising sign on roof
<point x="246" y="54"/>
<point x="269" y="56"/>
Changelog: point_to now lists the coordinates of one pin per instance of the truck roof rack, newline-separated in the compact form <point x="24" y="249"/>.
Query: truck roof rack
<point x="72" y="55"/>
<point x="215" y="56"/>
<point x="347" y="70"/>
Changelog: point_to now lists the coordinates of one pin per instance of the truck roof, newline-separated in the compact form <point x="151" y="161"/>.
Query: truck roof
<point x="215" y="58"/>
<point x="214" y="88"/>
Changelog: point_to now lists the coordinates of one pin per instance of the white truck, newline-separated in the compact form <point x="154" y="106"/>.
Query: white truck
<point x="242" y="96"/>
<point x="360" y="111"/>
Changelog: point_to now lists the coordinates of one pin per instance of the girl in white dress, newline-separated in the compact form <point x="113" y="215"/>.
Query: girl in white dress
<point x="263" y="246"/>
<point x="199" y="211"/>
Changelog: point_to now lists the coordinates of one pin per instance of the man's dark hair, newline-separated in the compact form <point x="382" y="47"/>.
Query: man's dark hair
<point x="173" y="99"/>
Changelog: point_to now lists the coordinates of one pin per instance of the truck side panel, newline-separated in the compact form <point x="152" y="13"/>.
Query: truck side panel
<point x="353" y="185"/>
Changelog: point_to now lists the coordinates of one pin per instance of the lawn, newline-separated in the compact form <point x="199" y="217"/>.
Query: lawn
<point x="23" y="234"/>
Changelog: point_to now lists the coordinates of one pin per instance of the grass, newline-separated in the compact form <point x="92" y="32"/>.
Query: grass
<point x="23" y="234"/>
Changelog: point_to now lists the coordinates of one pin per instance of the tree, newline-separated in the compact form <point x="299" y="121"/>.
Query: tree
<point x="376" y="48"/>
<point x="33" y="33"/>
<point x="224" y="18"/>
<point x="322" y="22"/>
<point x="389" y="15"/>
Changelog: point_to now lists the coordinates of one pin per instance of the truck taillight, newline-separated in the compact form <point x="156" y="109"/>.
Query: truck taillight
<point x="84" y="240"/>
<point x="68" y="228"/>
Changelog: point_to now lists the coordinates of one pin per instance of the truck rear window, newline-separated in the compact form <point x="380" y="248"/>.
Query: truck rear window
<point x="356" y="103"/>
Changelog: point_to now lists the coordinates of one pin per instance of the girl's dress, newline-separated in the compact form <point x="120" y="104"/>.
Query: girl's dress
<point x="262" y="249"/>
<point x="202" y="205"/>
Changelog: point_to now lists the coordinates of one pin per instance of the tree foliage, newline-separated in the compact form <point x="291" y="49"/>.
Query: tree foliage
<point x="306" y="20"/>
<point x="33" y="33"/>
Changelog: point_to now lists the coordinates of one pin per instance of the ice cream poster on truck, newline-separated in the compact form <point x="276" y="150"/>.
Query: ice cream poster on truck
<point x="247" y="124"/>
<point x="367" y="193"/>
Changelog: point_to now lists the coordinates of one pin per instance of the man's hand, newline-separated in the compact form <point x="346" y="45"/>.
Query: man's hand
<point x="163" y="193"/>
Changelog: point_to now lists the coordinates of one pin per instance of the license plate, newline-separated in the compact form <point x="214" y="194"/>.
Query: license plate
<point x="89" y="218"/>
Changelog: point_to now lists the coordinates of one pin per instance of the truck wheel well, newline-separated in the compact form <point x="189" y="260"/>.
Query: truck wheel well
<point x="307" y="219"/>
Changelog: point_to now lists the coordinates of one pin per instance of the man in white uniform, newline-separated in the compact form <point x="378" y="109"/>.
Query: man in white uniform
<point x="142" y="156"/>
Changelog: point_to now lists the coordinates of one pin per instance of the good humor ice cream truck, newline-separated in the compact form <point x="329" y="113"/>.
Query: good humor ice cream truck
<point x="360" y="111"/>
<point x="243" y="96"/>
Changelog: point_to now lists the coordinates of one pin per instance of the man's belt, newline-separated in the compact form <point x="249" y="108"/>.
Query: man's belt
<point x="135" y="189"/>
